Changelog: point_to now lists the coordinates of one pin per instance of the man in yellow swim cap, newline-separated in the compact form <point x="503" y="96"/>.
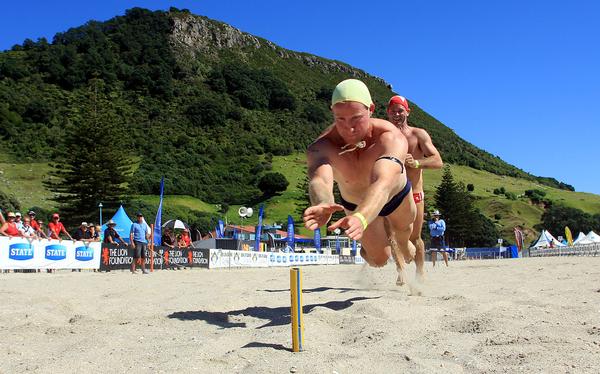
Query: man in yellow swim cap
<point x="365" y="156"/>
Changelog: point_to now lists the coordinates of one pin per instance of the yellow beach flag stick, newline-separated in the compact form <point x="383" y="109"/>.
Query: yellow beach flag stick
<point x="569" y="235"/>
<point x="297" y="318"/>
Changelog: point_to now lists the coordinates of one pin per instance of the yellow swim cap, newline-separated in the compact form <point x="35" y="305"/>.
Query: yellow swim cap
<point x="351" y="90"/>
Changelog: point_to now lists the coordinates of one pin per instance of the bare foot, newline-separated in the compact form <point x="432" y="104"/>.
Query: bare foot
<point x="420" y="276"/>
<point x="402" y="278"/>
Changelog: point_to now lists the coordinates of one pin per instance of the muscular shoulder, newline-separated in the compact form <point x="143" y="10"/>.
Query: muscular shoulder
<point x="384" y="125"/>
<point x="420" y="134"/>
<point x="393" y="139"/>
<point x="320" y="148"/>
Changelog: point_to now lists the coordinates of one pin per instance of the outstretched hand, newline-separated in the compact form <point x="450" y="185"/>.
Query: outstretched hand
<point x="318" y="215"/>
<point x="351" y="224"/>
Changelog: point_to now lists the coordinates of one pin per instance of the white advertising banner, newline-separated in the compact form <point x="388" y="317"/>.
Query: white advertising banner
<point x="21" y="253"/>
<point x="219" y="258"/>
<point x="299" y="259"/>
<point x="278" y="259"/>
<point x="225" y="258"/>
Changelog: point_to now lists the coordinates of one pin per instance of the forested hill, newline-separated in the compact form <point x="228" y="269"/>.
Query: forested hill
<point x="198" y="101"/>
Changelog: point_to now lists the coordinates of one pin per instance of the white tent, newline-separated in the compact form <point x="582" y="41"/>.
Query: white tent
<point x="593" y="237"/>
<point x="582" y="239"/>
<point x="546" y="240"/>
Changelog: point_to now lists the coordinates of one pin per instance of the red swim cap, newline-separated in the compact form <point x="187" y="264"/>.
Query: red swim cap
<point x="399" y="100"/>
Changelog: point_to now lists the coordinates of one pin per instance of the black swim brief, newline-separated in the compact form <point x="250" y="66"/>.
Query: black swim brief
<point x="395" y="201"/>
<point x="389" y="207"/>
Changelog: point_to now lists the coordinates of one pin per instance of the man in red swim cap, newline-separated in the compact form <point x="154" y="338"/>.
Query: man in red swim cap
<point x="422" y="154"/>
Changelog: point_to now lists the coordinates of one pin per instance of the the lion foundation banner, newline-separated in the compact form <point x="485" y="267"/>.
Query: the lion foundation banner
<point x="21" y="253"/>
<point x="115" y="257"/>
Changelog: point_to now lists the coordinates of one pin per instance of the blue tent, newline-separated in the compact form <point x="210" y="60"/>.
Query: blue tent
<point x="123" y="222"/>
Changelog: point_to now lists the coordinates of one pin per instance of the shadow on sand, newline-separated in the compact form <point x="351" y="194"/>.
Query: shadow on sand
<point x="318" y="289"/>
<point x="278" y="316"/>
<point x="279" y="347"/>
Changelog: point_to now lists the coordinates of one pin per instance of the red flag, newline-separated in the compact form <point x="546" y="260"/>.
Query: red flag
<point x="519" y="238"/>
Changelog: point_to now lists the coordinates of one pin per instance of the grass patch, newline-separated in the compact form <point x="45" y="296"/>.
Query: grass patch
<point x="24" y="180"/>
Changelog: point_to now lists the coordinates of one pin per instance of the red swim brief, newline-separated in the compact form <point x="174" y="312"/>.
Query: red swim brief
<point x="418" y="196"/>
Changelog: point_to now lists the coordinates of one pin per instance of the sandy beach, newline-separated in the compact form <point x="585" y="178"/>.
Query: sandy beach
<point x="495" y="316"/>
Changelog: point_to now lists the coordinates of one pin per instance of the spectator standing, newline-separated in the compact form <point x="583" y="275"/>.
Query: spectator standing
<point x="18" y="220"/>
<point x="92" y="234"/>
<point x="184" y="239"/>
<point x="9" y="228"/>
<point x="55" y="228"/>
<point x="41" y="232"/>
<point x="111" y="235"/>
<point x="437" y="228"/>
<point x="138" y="239"/>
<point x="168" y="239"/>
<point x="36" y="225"/>
<point x="81" y="231"/>
<point x="27" y="231"/>
<point x="98" y="231"/>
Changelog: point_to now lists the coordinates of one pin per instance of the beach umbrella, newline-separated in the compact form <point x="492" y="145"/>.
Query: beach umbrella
<point x="175" y="224"/>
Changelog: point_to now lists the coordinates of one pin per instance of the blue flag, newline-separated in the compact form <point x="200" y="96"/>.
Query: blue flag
<point x="354" y="248"/>
<point x="317" y="233"/>
<point x="221" y="229"/>
<point x="258" y="229"/>
<point x="337" y="245"/>
<point x="158" y="219"/>
<point x="290" y="233"/>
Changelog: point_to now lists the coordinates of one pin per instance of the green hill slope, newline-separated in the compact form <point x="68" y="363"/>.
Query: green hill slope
<point x="21" y="180"/>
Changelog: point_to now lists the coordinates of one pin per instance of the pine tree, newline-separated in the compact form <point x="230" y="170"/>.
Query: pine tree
<point x="465" y="225"/>
<point x="93" y="164"/>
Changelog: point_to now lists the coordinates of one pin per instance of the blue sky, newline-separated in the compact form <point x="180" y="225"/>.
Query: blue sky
<point x="520" y="79"/>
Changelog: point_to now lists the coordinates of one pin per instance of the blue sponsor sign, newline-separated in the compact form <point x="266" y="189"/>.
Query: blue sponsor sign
<point x="258" y="232"/>
<point x="56" y="252"/>
<point x="291" y="234"/>
<point x="84" y="253"/>
<point x="20" y="251"/>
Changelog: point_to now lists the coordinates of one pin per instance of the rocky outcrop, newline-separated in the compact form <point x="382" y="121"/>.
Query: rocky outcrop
<point x="193" y="34"/>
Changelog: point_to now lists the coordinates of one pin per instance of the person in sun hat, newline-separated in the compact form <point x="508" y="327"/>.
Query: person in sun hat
<point x="111" y="235"/>
<point x="9" y="227"/>
<point x="437" y="228"/>
<point x="92" y="234"/>
<point x="81" y="232"/>
<point x="422" y="154"/>
<point x="365" y="156"/>
<point x="19" y="220"/>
